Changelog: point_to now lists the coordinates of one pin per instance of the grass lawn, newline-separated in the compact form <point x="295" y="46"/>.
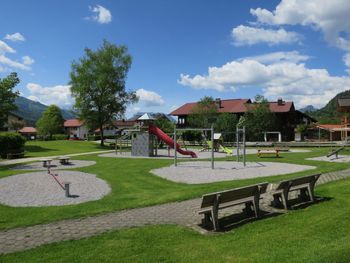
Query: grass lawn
<point x="50" y="148"/>
<point x="133" y="186"/>
<point x="319" y="233"/>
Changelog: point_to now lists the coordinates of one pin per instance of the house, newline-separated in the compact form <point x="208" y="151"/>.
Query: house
<point x="287" y="117"/>
<point x="28" y="132"/>
<point x="12" y="118"/>
<point x="76" y="129"/>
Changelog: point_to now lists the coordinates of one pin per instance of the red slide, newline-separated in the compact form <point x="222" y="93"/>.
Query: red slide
<point x="165" y="138"/>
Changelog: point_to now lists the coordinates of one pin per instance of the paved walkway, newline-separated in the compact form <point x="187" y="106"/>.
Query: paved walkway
<point x="181" y="213"/>
<point x="33" y="159"/>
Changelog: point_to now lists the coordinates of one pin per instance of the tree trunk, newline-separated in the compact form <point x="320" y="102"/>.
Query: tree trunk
<point x="101" y="135"/>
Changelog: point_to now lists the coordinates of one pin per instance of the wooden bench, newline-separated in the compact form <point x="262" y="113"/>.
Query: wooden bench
<point x="64" y="160"/>
<point x="15" y="155"/>
<point x="268" y="152"/>
<point x="213" y="202"/>
<point x="46" y="162"/>
<point x="305" y="185"/>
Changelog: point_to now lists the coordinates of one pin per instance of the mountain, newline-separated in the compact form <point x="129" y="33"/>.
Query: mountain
<point x="31" y="111"/>
<point x="328" y="114"/>
<point x="308" y="108"/>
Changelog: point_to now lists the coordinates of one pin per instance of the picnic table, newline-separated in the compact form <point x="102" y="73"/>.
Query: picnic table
<point x="46" y="162"/>
<point x="262" y="152"/>
<point x="64" y="160"/>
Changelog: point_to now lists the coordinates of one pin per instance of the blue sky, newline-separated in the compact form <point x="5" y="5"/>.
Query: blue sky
<point x="183" y="50"/>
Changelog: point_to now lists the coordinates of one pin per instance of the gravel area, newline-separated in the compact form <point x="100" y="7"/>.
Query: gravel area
<point x="55" y="165"/>
<point x="340" y="159"/>
<point x="200" y="172"/>
<point x="162" y="153"/>
<point x="41" y="189"/>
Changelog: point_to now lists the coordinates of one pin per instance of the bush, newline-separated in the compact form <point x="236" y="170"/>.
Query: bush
<point x="10" y="143"/>
<point x="58" y="137"/>
<point x="98" y="137"/>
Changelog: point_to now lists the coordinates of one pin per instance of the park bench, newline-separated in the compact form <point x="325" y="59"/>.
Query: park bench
<point x="213" y="202"/>
<point x="64" y="160"/>
<point x="262" y="152"/>
<point x="15" y="155"/>
<point x="305" y="185"/>
<point x="46" y="162"/>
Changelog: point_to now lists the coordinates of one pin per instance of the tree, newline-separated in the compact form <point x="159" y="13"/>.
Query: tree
<point x="98" y="85"/>
<point x="226" y="123"/>
<point x="51" y="122"/>
<point x="203" y="113"/>
<point x="7" y="97"/>
<point x="16" y="124"/>
<point x="165" y="125"/>
<point x="258" y="119"/>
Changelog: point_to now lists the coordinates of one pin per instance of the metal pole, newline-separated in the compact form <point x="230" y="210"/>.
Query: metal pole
<point x="175" y="152"/>
<point x="212" y="146"/>
<point x="237" y="144"/>
<point x="244" y="145"/>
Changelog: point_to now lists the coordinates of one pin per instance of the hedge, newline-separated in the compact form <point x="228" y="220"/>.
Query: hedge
<point x="11" y="142"/>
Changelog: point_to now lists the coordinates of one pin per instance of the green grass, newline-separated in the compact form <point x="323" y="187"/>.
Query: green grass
<point x="50" y="148"/>
<point x="133" y="186"/>
<point x="316" y="234"/>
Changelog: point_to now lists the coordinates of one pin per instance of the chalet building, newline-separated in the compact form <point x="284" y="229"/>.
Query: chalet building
<point x="28" y="132"/>
<point x="287" y="117"/>
<point x="76" y="129"/>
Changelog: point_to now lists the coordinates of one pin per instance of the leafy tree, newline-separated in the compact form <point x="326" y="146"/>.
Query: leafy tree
<point x="98" y="85"/>
<point x="165" y="125"/>
<point x="16" y="124"/>
<point x="226" y="123"/>
<point x="203" y="113"/>
<point x="258" y="119"/>
<point x="51" y="122"/>
<point x="7" y="97"/>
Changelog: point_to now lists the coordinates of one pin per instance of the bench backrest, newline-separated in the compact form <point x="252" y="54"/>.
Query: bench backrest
<point x="230" y="195"/>
<point x="304" y="180"/>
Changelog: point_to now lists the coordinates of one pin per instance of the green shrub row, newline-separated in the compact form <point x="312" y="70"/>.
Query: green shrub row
<point x="98" y="137"/>
<point x="11" y="142"/>
<point x="55" y="137"/>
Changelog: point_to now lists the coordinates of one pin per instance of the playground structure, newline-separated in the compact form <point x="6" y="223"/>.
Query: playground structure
<point x="175" y="144"/>
<point x="336" y="152"/>
<point x="241" y="145"/>
<point x="64" y="185"/>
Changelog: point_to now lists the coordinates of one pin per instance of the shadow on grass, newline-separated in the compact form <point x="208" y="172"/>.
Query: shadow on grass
<point x="230" y="222"/>
<point x="35" y="148"/>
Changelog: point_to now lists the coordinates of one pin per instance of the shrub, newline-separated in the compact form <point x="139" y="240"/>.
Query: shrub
<point x="58" y="137"/>
<point x="10" y="143"/>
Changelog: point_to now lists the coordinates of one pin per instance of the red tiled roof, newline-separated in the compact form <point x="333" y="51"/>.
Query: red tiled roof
<point x="235" y="106"/>
<point x="27" y="130"/>
<point x="330" y="126"/>
<point x="73" y="123"/>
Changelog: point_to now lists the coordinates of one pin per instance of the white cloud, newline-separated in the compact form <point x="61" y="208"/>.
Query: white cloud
<point x="4" y="48"/>
<point x="289" y="56"/>
<point x="59" y="95"/>
<point x="15" y="37"/>
<point x="7" y="63"/>
<point x="329" y="16"/>
<point x="150" y="98"/>
<point x="246" y="35"/>
<point x="100" y="14"/>
<point x="27" y="60"/>
<point x="13" y="64"/>
<point x="289" y="80"/>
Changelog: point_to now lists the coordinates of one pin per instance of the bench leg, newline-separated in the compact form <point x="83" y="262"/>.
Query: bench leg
<point x="256" y="206"/>
<point x="206" y="221"/>
<point x="215" y="219"/>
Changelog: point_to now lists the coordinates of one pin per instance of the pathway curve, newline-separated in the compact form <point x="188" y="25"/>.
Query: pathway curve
<point x="32" y="159"/>
<point x="181" y="213"/>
